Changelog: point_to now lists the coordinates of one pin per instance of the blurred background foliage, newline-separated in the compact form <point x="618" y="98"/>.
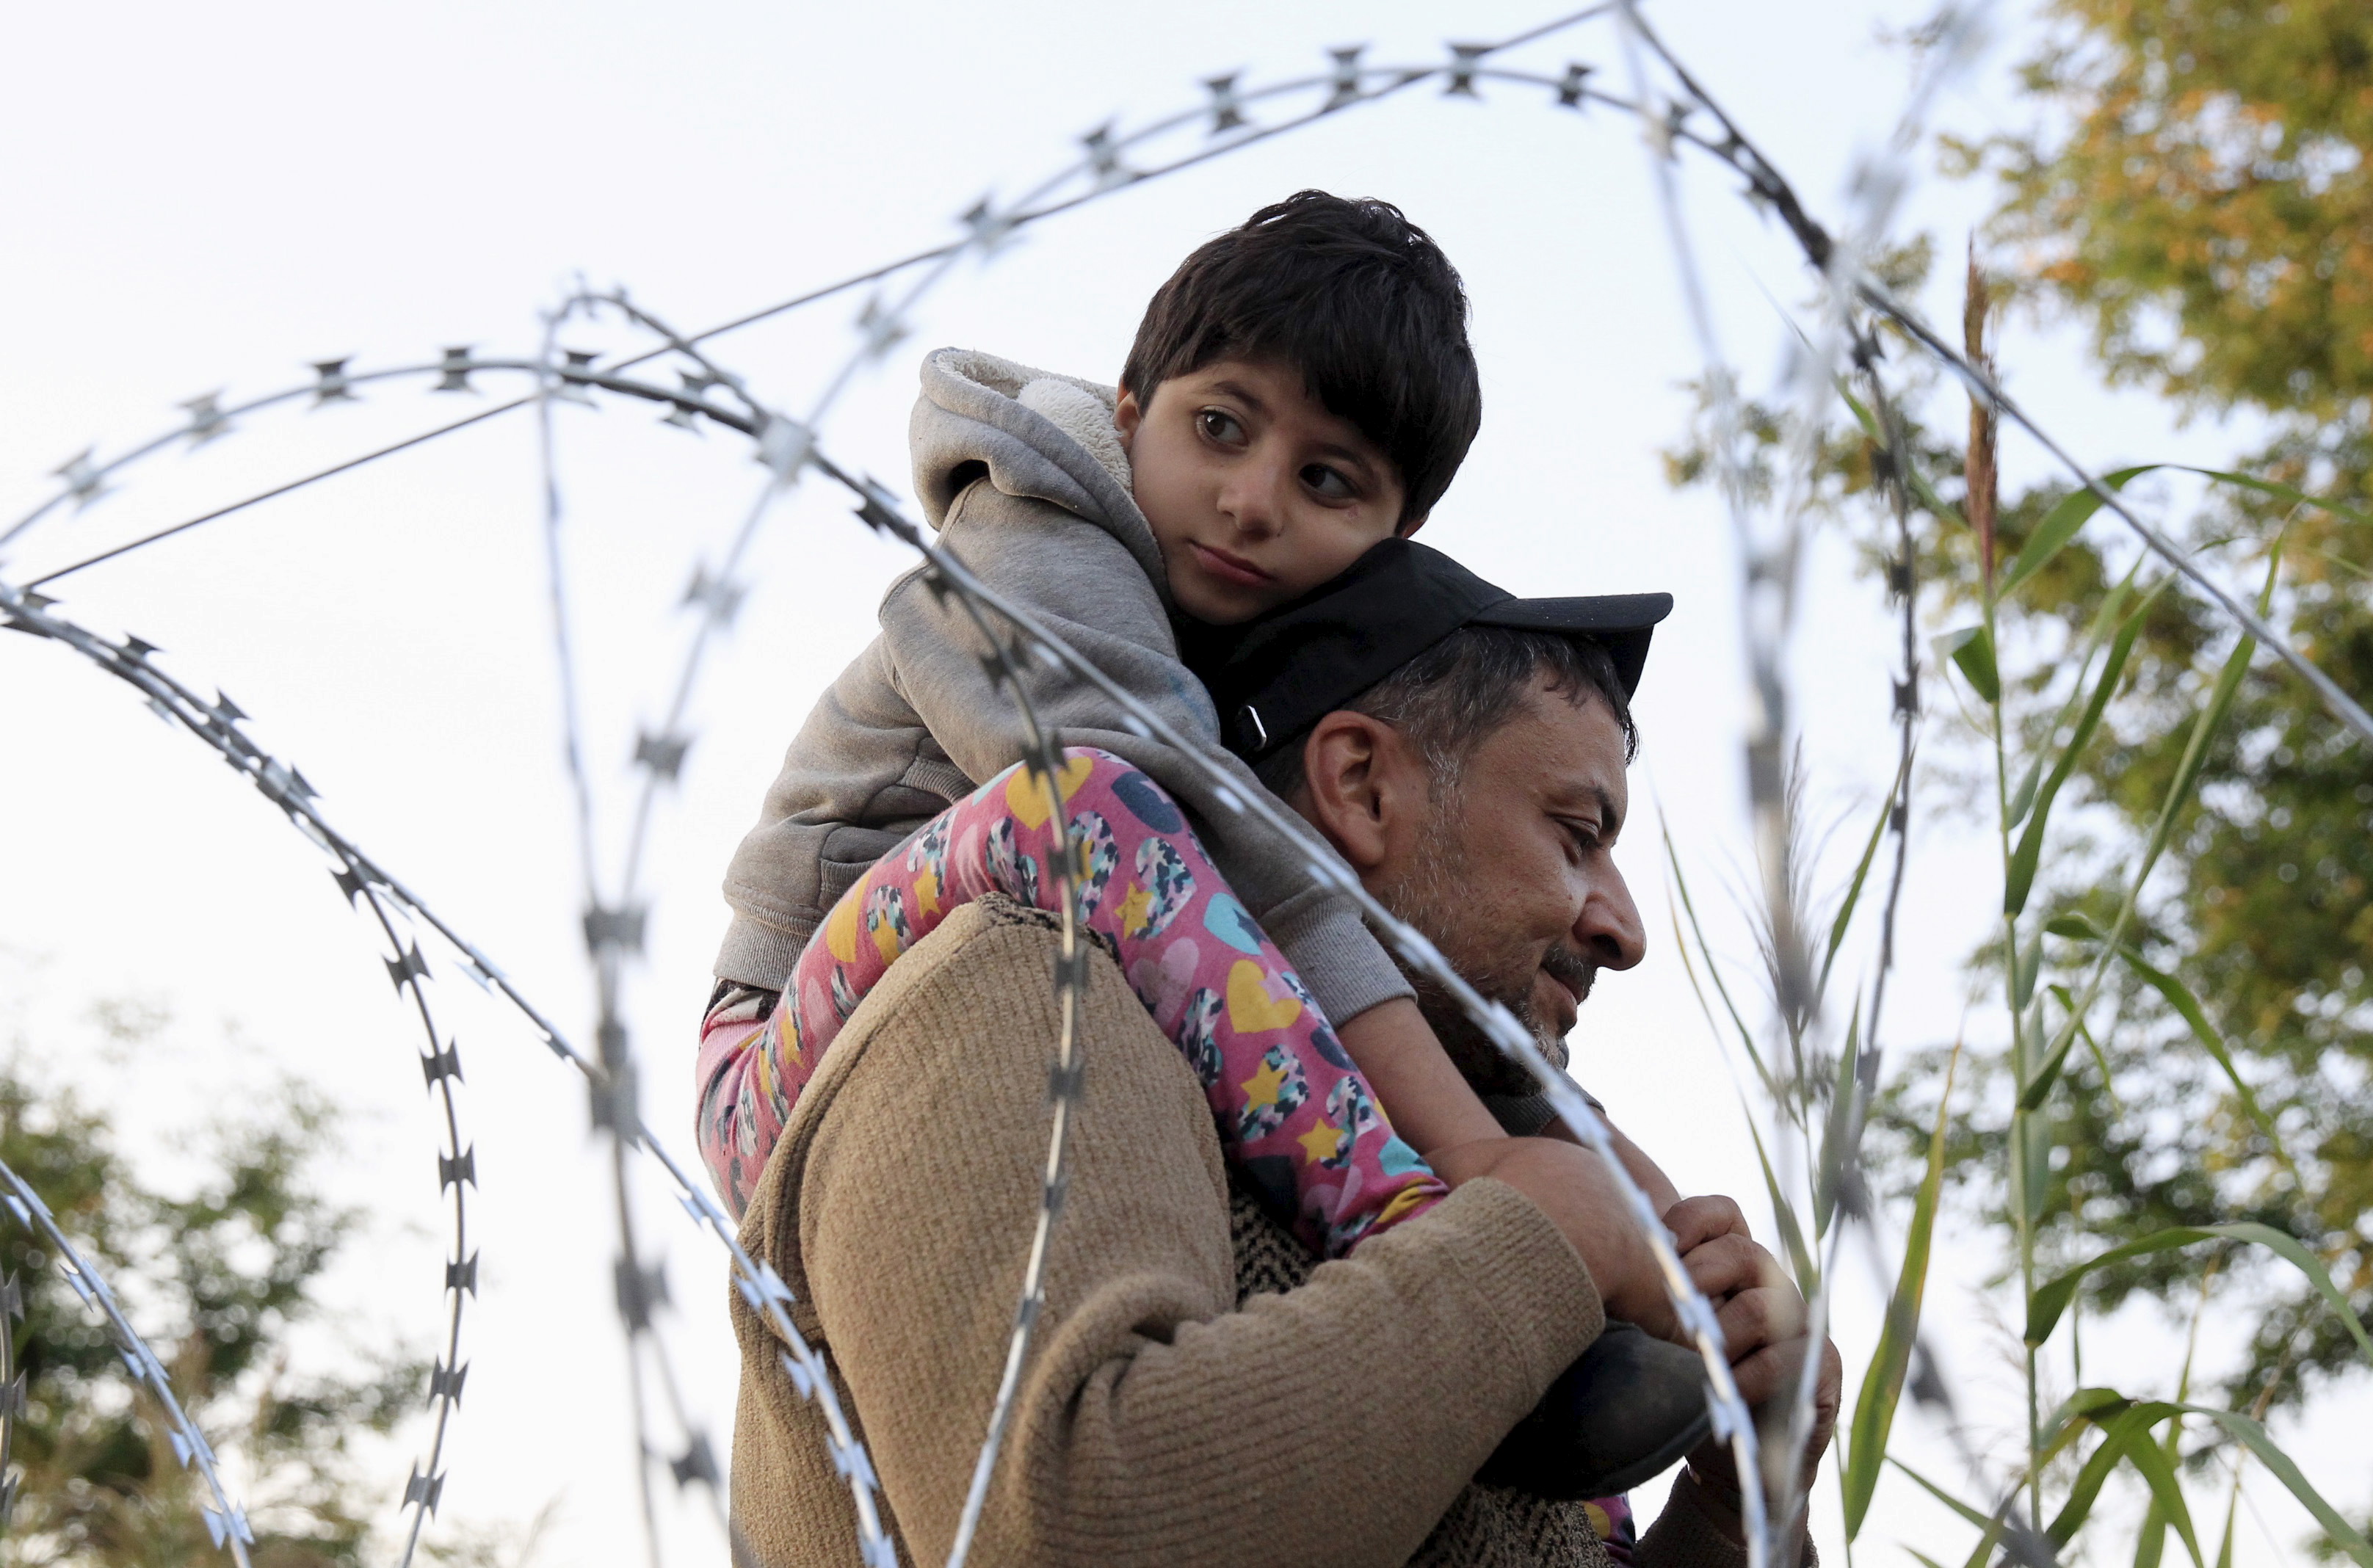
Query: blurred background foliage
<point x="2194" y="193"/>
<point x="218" y="1243"/>
<point x="2198" y="196"/>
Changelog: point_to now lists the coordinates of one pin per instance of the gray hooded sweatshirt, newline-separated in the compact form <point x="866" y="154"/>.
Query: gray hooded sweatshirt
<point x="1023" y="475"/>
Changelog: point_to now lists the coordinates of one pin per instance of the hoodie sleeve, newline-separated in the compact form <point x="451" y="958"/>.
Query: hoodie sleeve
<point x="1087" y="587"/>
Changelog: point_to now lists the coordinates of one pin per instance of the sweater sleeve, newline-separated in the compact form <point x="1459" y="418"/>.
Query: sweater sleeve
<point x="1085" y="586"/>
<point x="1685" y="1534"/>
<point x="1157" y="1422"/>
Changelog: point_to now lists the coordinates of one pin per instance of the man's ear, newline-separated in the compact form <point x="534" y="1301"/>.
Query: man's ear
<point x="1126" y="415"/>
<point x="1354" y="777"/>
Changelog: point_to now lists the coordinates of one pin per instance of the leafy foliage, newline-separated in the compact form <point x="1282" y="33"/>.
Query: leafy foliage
<point x="2202" y="198"/>
<point x="2175" y="1097"/>
<point x="218" y="1278"/>
<point x="2205" y="199"/>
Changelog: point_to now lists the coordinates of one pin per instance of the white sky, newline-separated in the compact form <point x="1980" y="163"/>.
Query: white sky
<point x="205" y="198"/>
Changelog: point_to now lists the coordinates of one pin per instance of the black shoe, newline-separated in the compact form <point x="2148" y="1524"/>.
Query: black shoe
<point x="1628" y="1409"/>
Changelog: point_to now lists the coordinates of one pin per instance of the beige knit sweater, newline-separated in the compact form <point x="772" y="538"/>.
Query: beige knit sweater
<point x="1158" y="1421"/>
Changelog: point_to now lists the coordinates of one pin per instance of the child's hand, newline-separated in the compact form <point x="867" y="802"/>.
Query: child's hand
<point x="1576" y="1190"/>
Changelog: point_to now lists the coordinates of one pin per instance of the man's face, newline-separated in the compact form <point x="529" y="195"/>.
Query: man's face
<point x="1513" y="876"/>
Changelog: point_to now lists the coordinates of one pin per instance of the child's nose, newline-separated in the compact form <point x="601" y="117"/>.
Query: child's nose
<point x="1256" y="497"/>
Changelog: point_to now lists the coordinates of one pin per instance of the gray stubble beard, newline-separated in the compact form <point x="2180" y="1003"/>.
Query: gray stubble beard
<point x="1430" y="895"/>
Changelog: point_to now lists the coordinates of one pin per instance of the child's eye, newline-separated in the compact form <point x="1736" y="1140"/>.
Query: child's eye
<point x="1221" y="425"/>
<point x="1328" y="484"/>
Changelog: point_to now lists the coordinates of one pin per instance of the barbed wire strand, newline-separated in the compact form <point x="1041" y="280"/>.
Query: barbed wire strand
<point x="614" y="929"/>
<point x="1765" y="183"/>
<point x="455" y="369"/>
<point x="12" y="1397"/>
<point x="638" y="1288"/>
<point x="1063" y="1082"/>
<point x="1878" y="190"/>
<point x="349" y="465"/>
<point x="1879" y="186"/>
<point x="286" y="789"/>
<point x="1696" y="1314"/>
<point x="84" y="481"/>
<point x="1767" y="561"/>
<point x="457" y="1172"/>
<point x="217" y="723"/>
<point x="81" y="482"/>
<point x="1044" y="757"/>
<point x="1348" y="86"/>
<point x="225" y="1520"/>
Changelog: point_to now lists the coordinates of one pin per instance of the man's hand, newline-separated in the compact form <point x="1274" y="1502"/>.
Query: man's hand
<point x="1576" y="1190"/>
<point x="1763" y="1323"/>
<point x="1645" y="1174"/>
<point x="1696" y="1221"/>
<point x="1763" y="1316"/>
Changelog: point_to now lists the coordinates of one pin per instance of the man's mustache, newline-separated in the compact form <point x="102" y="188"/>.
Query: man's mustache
<point x="1571" y="970"/>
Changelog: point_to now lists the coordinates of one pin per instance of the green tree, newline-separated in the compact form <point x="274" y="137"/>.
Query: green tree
<point x="2200" y="197"/>
<point x="2203" y="196"/>
<point x="218" y="1278"/>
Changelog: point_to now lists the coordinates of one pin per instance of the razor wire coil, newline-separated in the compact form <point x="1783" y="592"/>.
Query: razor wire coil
<point x="1111" y="160"/>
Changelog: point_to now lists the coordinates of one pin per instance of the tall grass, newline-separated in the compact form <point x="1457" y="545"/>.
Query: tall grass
<point x="1809" y="1088"/>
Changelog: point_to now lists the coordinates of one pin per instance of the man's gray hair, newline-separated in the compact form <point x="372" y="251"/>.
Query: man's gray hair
<point x="1448" y="699"/>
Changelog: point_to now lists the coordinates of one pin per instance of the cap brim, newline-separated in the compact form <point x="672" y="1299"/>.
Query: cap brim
<point x="1623" y="623"/>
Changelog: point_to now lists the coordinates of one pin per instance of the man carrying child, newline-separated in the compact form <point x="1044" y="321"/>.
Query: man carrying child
<point x="1298" y="398"/>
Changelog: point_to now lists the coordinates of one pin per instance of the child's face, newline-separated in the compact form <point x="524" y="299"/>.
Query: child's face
<point x="1256" y="491"/>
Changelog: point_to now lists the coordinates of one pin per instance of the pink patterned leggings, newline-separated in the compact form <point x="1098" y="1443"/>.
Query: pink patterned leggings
<point x="1294" y="1113"/>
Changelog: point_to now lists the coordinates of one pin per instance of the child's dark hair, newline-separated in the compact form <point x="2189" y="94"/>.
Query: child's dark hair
<point x="1354" y="296"/>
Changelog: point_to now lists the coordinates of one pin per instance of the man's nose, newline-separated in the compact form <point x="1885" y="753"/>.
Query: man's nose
<point x="1608" y="928"/>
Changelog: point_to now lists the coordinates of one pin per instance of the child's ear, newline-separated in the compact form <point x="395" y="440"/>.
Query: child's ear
<point x="1126" y="416"/>
<point x="1409" y="525"/>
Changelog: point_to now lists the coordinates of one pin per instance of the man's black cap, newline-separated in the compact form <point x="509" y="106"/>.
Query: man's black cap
<point x="1275" y="677"/>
